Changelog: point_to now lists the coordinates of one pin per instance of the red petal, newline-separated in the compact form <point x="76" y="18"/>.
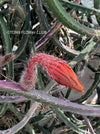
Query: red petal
<point x="61" y="72"/>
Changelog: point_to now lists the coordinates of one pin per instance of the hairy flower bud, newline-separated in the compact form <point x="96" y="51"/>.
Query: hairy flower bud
<point x="56" y="68"/>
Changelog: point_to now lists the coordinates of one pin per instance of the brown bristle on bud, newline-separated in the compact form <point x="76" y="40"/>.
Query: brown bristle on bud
<point x="4" y="59"/>
<point x="27" y="81"/>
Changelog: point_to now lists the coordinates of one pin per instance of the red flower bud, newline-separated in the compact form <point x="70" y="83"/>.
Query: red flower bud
<point x="57" y="70"/>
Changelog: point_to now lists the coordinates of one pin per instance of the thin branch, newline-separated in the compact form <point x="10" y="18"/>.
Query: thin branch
<point x="89" y="124"/>
<point x="12" y="99"/>
<point x="48" y="99"/>
<point x="47" y="36"/>
<point x="23" y="122"/>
